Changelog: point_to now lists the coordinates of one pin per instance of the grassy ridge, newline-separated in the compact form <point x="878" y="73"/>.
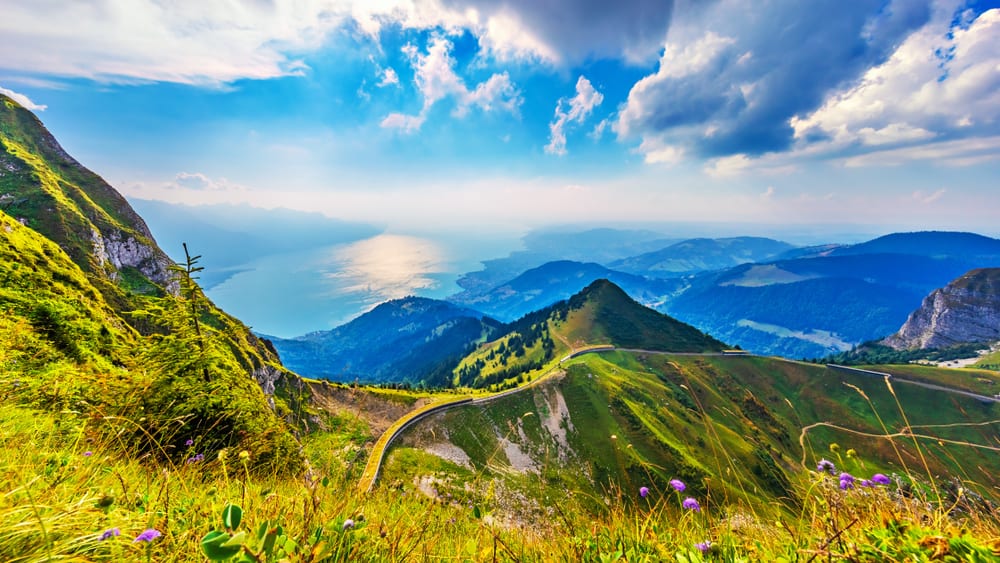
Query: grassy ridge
<point x="727" y="426"/>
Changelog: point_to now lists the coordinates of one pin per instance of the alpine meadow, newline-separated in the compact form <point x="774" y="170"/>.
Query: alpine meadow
<point x="459" y="280"/>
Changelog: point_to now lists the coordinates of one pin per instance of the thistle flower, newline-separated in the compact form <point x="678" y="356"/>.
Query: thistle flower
<point x="847" y="477"/>
<point x="348" y="524"/>
<point x="691" y="504"/>
<point x="880" y="479"/>
<point x="643" y="491"/>
<point x="845" y="485"/>
<point x="147" y="535"/>
<point x="703" y="546"/>
<point x="110" y="533"/>
<point x="678" y="485"/>
<point x="827" y="466"/>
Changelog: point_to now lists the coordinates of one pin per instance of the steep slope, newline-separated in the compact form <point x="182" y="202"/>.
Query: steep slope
<point x="403" y="340"/>
<point x="966" y="310"/>
<point x="49" y="191"/>
<point x="821" y="304"/>
<point x="44" y="188"/>
<point x="599" y="315"/>
<point x="702" y="254"/>
<point x="554" y="281"/>
<point x="123" y="304"/>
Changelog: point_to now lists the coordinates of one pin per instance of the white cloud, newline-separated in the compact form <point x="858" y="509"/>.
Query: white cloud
<point x="389" y="78"/>
<point x="22" y="99"/>
<point x="768" y="193"/>
<point x="677" y="61"/>
<point x="940" y="85"/>
<point x="220" y="42"/>
<point x="580" y="107"/>
<point x="436" y="79"/>
<point x="959" y="152"/>
<point x="657" y="151"/>
<point x="149" y="40"/>
<point x="925" y="198"/>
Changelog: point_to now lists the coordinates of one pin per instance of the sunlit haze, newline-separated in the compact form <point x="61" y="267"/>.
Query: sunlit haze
<point x="442" y="121"/>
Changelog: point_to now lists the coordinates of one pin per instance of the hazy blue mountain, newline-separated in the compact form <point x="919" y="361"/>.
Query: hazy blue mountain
<point x="403" y="340"/>
<point x="968" y="246"/>
<point x="231" y="236"/>
<point x="555" y="281"/>
<point x="832" y="299"/>
<point x="595" y="245"/>
<point x="701" y="254"/>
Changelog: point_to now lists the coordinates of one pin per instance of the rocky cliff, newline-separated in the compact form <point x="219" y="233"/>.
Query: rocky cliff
<point x="966" y="310"/>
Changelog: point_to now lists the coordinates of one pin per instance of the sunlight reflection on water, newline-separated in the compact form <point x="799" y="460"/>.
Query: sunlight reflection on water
<point x="387" y="267"/>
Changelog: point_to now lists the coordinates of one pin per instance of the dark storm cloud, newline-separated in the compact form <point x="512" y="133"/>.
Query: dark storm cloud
<point x="782" y="59"/>
<point x="581" y="29"/>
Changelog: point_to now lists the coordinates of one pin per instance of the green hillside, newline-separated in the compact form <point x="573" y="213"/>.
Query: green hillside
<point x="601" y="314"/>
<point x="739" y="431"/>
<point x="97" y="318"/>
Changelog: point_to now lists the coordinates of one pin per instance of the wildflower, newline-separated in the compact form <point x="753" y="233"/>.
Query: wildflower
<point x="244" y="455"/>
<point x="195" y="459"/>
<point x="88" y="453"/>
<point x="703" y="546"/>
<point x="845" y="485"/>
<point x="147" y="535"/>
<point x="834" y="447"/>
<point x="348" y="524"/>
<point x="110" y="533"/>
<point x="866" y="483"/>
<point x="189" y="442"/>
<point x="851" y="453"/>
<point x="880" y="479"/>
<point x="678" y="485"/>
<point x="847" y="477"/>
<point x="826" y="465"/>
<point x="643" y="491"/>
<point x="691" y="504"/>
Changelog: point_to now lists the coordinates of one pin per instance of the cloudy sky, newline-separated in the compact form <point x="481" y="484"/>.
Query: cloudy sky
<point x="520" y="113"/>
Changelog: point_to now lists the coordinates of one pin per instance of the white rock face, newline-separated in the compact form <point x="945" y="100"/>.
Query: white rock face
<point x="966" y="310"/>
<point x="121" y="250"/>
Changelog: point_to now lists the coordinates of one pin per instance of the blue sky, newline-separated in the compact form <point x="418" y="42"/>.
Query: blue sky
<point x="513" y="114"/>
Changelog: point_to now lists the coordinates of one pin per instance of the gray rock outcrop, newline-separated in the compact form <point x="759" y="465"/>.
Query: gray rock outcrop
<point x="966" y="310"/>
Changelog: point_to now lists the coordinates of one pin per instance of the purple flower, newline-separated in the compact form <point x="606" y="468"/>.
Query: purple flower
<point x="880" y="479"/>
<point x="845" y="484"/>
<point x="643" y="491"/>
<point x="847" y="477"/>
<point x="691" y="504"/>
<point x="678" y="485"/>
<point x="88" y="453"/>
<point x="189" y="442"/>
<point x="348" y="524"/>
<point x="866" y="483"/>
<point x="703" y="546"/>
<point x="110" y="533"/>
<point x="195" y="459"/>
<point x="827" y="466"/>
<point x="147" y="535"/>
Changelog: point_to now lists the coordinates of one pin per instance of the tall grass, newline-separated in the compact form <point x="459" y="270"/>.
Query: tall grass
<point x="66" y="486"/>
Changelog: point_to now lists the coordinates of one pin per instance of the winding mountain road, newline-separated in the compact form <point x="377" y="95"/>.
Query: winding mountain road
<point x="377" y="457"/>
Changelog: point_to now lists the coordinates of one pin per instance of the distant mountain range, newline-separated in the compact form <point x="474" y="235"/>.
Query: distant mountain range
<point x="700" y="255"/>
<point x="554" y="281"/>
<point x="413" y="340"/>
